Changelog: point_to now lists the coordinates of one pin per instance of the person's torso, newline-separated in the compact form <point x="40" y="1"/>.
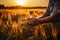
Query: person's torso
<point x="56" y="9"/>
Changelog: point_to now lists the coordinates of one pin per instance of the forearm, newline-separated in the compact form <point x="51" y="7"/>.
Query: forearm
<point x="45" y="20"/>
<point x="51" y="18"/>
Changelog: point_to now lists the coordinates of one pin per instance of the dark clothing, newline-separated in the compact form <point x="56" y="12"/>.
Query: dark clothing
<point x="50" y="7"/>
<point x="54" y="8"/>
<point x="58" y="37"/>
<point x="58" y="2"/>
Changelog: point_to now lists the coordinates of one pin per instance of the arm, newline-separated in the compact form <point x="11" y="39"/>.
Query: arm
<point x="51" y="18"/>
<point x="48" y="19"/>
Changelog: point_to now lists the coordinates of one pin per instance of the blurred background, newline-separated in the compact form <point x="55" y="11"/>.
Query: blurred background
<point x="14" y="15"/>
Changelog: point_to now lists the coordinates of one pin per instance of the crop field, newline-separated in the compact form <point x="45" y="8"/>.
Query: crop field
<point x="13" y="25"/>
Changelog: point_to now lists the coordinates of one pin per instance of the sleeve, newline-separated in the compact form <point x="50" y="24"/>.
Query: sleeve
<point x="56" y="8"/>
<point x="50" y="7"/>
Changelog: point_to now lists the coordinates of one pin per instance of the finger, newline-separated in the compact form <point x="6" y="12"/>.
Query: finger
<point x="30" y="19"/>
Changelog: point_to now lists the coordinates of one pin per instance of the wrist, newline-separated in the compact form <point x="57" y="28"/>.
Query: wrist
<point x="40" y="21"/>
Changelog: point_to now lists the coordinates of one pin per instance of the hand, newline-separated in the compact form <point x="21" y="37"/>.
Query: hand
<point x="33" y="22"/>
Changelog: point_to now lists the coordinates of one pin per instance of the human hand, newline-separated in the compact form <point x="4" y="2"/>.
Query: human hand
<point x="33" y="22"/>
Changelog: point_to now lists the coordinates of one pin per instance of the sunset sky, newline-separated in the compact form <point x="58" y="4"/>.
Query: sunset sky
<point x="28" y="3"/>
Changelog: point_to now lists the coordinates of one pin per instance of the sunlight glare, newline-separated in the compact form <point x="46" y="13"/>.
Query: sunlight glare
<point x="21" y="2"/>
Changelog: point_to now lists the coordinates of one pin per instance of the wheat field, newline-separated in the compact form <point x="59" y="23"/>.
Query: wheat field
<point x="13" y="25"/>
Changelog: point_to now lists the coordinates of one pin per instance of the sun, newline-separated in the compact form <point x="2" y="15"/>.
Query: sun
<point x="21" y="2"/>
